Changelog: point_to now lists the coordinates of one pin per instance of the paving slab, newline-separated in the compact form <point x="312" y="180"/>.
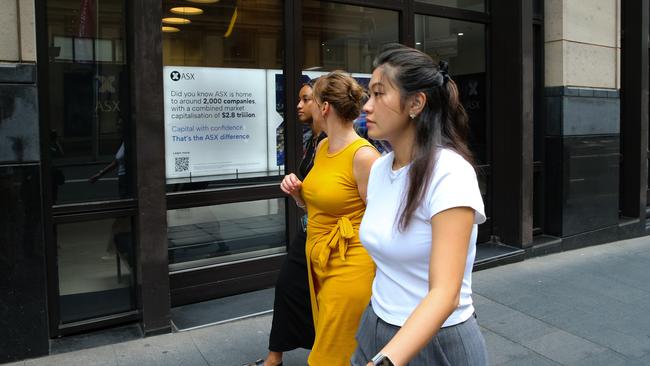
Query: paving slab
<point x="96" y="339"/>
<point x="590" y="327"/>
<point x="240" y="342"/>
<point x="503" y="351"/>
<point x="176" y="349"/>
<point x="606" y="358"/>
<point x="563" y="347"/>
<point x="583" y="307"/>
<point x="98" y="356"/>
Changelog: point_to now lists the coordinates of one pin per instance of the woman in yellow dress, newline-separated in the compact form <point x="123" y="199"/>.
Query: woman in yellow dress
<point x="339" y="268"/>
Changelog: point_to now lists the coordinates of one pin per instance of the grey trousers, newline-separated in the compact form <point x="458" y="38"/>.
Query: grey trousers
<point x="459" y="345"/>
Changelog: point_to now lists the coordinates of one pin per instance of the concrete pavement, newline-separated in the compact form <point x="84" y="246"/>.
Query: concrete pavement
<point x="584" y="307"/>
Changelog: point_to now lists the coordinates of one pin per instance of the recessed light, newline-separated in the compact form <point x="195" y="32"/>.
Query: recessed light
<point x="461" y="34"/>
<point x="186" y="10"/>
<point x="167" y="29"/>
<point x="176" y="21"/>
<point x="418" y="43"/>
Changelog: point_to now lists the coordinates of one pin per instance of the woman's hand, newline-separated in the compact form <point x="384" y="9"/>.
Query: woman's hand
<point x="95" y="178"/>
<point x="292" y="186"/>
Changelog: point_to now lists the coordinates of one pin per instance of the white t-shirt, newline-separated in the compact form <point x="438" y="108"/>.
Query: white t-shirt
<point x="121" y="163"/>
<point x="402" y="258"/>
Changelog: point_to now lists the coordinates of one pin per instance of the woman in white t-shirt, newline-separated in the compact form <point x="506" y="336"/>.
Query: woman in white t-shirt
<point x="421" y="220"/>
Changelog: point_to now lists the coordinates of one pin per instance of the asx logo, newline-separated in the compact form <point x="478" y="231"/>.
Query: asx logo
<point x="176" y="76"/>
<point x="106" y="83"/>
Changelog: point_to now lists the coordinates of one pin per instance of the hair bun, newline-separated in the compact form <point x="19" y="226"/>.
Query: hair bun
<point x="357" y="93"/>
<point x="443" y="66"/>
<point x="340" y="90"/>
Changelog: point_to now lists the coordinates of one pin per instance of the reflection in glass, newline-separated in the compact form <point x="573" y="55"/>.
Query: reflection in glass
<point x="215" y="234"/>
<point x="483" y="178"/>
<point x="538" y="8"/>
<point x="83" y="49"/>
<point x="538" y="200"/>
<point x="475" y="5"/>
<point x="62" y="46"/>
<point x="224" y="94"/>
<point x="345" y="37"/>
<point x="88" y="101"/>
<point x="538" y="94"/>
<point x="96" y="268"/>
<point x="103" y="50"/>
<point x="462" y="44"/>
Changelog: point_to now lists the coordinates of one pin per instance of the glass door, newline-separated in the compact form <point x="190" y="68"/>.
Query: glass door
<point x="91" y="261"/>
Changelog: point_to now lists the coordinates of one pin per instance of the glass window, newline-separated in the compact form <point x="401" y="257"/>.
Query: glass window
<point x="538" y="8"/>
<point x="462" y="44"/>
<point x="345" y="37"/>
<point x="484" y="179"/>
<point x="88" y="112"/>
<point x="224" y="100"/>
<point x="475" y="5"/>
<point x="96" y="264"/>
<point x="62" y="48"/>
<point x="223" y="233"/>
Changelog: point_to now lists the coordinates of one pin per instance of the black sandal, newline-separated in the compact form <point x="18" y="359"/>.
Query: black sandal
<point x="259" y="362"/>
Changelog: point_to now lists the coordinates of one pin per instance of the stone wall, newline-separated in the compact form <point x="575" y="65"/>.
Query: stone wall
<point x="23" y="309"/>
<point x="582" y="79"/>
<point x="17" y="32"/>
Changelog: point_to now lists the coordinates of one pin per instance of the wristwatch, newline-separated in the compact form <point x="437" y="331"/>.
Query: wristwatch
<point x="381" y="359"/>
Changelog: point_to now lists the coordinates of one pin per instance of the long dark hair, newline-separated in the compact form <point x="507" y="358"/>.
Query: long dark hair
<point x="442" y="122"/>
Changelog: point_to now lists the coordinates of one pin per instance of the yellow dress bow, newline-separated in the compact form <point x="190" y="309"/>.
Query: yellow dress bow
<point x="339" y="236"/>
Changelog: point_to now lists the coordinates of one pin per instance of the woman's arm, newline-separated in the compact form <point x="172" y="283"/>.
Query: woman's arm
<point x="292" y="186"/>
<point x="102" y="172"/>
<point x="450" y="234"/>
<point x="363" y="160"/>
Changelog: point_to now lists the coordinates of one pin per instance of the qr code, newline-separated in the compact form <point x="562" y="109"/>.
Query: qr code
<point x="182" y="164"/>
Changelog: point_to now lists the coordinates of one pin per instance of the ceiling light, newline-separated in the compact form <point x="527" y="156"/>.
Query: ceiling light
<point x="461" y="34"/>
<point x="176" y="21"/>
<point x="418" y="43"/>
<point x="233" y="19"/>
<point x="186" y="10"/>
<point x="203" y="1"/>
<point x="170" y="29"/>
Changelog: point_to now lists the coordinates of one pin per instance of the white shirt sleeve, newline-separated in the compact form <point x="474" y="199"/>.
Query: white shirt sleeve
<point x="454" y="184"/>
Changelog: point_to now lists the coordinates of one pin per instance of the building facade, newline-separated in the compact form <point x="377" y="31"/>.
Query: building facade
<point x="142" y="142"/>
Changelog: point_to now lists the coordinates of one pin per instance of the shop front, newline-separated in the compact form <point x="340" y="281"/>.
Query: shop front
<point x="143" y="142"/>
<point x="166" y="127"/>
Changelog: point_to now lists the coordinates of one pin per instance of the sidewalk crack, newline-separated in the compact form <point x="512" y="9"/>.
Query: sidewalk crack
<point x="199" y="350"/>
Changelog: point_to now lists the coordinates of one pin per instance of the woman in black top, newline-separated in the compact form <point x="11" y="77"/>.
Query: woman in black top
<point x="293" y="325"/>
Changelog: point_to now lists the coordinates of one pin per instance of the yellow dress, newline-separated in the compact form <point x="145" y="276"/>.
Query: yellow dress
<point x="340" y="269"/>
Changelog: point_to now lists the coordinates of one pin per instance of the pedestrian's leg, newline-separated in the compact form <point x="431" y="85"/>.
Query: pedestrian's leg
<point x="273" y="359"/>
